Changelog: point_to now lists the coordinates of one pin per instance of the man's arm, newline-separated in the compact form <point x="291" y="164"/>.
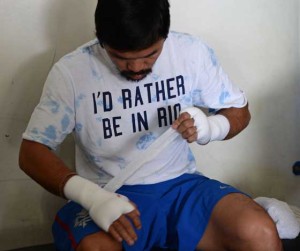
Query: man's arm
<point x="238" y="118"/>
<point x="42" y="165"/>
<point x="191" y="127"/>
<point x="109" y="210"/>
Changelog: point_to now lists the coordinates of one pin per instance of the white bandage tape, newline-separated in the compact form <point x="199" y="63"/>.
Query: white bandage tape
<point x="210" y="128"/>
<point x="104" y="207"/>
<point x="150" y="153"/>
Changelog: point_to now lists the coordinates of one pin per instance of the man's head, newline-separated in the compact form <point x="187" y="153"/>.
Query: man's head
<point x="132" y="29"/>
<point x="131" y="25"/>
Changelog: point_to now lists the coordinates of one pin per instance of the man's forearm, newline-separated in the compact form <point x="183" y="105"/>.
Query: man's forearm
<point x="42" y="165"/>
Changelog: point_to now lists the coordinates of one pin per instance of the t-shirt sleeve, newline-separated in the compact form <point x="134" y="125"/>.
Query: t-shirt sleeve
<point x="214" y="88"/>
<point x="53" y="118"/>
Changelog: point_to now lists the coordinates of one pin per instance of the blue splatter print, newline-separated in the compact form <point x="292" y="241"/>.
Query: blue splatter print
<point x="90" y="52"/>
<point x="35" y="131"/>
<point x="69" y="110"/>
<point x="50" y="132"/>
<point x="95" y="74"/>
<point x="212" y="111"/>
<point x="196" y="96"/>
<point x="94" y="159"/>
<point x="45" y="141"/>
<point x="99" y="119"/>
<point x="145" y="141"/>
<point x="154" y="76"/>
<point x="100" y="103"/>
<point x="99" y="142"/>
<point x="212" y="56"/>
<point x="65" y="122"/>
<point x="224" y="95"/>
<point x="185" y="37"/>
<point x="87" y="50"/>
<point x="54" y="106"/>
<point x="120" y="100"/>
<point x="191" y="156"/>
<point x="186" y="100"/>
<point x="121" y="162"/>
<point x="79" y="99"/>
<point x="78" y="127"/>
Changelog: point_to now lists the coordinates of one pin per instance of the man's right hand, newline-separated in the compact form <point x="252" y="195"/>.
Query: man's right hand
<point x="112" y="212"/>
<point x="124" y="227"/>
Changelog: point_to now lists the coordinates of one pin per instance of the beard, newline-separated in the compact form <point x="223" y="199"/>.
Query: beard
<point x="136" y="76"/>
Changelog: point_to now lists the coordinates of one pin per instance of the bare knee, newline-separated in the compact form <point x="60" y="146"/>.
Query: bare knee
<point x="100" y="241"/>
<point x="259" y="232"/>
<point x="238" y="223"/>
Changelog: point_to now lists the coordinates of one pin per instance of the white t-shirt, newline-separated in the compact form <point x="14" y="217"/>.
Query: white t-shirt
<point x="114" y="120"/>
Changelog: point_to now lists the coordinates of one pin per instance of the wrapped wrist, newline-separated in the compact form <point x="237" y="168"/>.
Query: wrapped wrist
<point x="210" y="128"/>
<point x="219" y="127"/>
<point x="104" y="207"/>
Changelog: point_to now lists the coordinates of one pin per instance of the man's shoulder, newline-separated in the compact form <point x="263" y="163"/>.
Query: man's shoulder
<point x="185" y="39"/>
<point x="186" y="44"/>
<point x="82" y="51"/>
<point x="183" y="36"/>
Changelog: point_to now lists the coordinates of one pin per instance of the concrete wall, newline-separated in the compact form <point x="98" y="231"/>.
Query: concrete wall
<point x="34" y="35"/>
<point x="256" y="41"/>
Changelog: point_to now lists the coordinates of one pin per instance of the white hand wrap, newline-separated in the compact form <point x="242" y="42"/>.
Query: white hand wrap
<point x="208" y="128"/>
<point x="286" y="222"/>
<point x="104" y="207"/>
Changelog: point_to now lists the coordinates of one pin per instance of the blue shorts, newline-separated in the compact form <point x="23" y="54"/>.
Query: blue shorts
<point x="174" y="214"/>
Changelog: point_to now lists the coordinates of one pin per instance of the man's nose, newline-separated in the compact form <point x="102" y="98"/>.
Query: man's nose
<point x="135" y="65"/>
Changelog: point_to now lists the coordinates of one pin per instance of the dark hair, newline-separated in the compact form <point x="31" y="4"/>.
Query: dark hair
<point x="131" y="25"/>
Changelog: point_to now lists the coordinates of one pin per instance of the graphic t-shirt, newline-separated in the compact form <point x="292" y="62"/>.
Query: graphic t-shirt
<point x="114" y="120"/>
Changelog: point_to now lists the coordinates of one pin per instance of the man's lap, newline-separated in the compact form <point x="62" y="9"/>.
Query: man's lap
<point x="174" y="214"/>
